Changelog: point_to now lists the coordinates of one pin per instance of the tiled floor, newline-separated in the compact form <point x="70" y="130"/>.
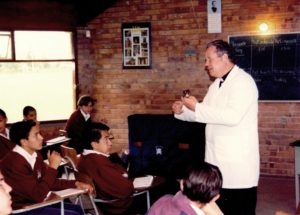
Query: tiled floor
<point x="275" y="193"/>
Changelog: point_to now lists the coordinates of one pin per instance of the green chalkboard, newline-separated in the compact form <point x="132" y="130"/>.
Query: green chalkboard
<point x="274" y="63"/>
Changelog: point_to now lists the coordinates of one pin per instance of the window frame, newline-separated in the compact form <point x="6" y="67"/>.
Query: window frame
<point x="73" y="39"/>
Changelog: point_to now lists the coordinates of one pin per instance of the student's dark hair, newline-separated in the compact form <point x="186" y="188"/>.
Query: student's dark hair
<point x="85" y="100"/>
<point x="202" y="182"/>
<point x="20" y="130"/>
<point x="2" y="113"/>
<point x="223" y="48"/>
<point x="27" y="110"/>
<point x="95" y="135"/>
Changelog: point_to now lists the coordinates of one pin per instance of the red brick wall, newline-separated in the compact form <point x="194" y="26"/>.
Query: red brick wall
<point x="178" y="26"/>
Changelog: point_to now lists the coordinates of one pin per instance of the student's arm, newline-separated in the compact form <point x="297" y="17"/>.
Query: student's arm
<point x="54" y="159"/>
<point x="108" y="178"/>
<point x="28" y="185"/>
<point x="114" y="183"/>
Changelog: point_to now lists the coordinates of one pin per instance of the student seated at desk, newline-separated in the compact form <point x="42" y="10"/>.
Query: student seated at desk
<point x="79" y="125"/>
<point x="29" y="113"/>
<point x="25" y="171"/>
<point x="199" y="191"/>
<point x="5" y="144"/>
<point x="4" y="131"/>
<point x="110" y="179"/>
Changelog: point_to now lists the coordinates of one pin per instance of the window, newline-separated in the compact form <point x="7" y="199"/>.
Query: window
<point x="5" y="46"/>
<point x="37" y="68"/>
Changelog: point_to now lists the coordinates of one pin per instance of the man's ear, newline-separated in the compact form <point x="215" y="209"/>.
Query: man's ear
<point x="93" y="144"/>
<point x="225" y="56"/>
<point x="215" y="198"/>
<point x="24" y="142"/>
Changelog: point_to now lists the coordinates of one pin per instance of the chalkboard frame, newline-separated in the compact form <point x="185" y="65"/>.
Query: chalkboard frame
<point x="273" y="60"/>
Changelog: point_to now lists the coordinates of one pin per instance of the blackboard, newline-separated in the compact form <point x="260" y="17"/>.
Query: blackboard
<point x="273" y="61"/>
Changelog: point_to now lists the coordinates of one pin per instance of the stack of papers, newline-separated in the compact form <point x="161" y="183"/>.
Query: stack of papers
<point x="144" y="181"/>
<point x="56" y="140"/>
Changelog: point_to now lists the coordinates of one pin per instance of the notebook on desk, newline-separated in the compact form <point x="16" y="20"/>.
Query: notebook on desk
<point x="56" y="140"/>
<point x="69" y="192"/>
<point x="144" y="181"/>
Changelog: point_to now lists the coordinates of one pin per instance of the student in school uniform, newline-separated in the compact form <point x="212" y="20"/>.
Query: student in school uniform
<point x="199" y="190"/>
<point x="79" y="125"/>
<point x="110" y="179"/>
<point x="25" y="171"/>
<point x="5" y="144"/>
<point x="4" y="131"/>
<point x="29" y="113"/>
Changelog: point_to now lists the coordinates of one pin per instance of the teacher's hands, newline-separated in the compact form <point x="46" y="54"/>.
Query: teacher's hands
<point x="177" y="107"/>
<point x="190" y="102"/>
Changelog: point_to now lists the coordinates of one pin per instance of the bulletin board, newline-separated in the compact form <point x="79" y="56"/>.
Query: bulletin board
<point x="136" y="45"/>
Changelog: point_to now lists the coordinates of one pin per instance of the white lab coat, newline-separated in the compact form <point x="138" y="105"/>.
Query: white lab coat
<point x="230" y="113"/>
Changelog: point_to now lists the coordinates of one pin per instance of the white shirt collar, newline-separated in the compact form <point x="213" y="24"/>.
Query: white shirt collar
<point x="6" y="135"/>
<point x="196" y="209"/>
<point x="89" y="151"/>
<point x="85" y="115"/>
<point x="31" y="159"/>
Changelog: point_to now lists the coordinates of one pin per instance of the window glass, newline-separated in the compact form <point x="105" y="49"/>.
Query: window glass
<point x="42" y="75"/>
<point x="43" y="45"/>
<point x="5" y="46"/>
<point x="47" y="86"/>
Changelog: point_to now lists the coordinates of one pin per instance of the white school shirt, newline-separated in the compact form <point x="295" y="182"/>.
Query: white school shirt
<point x="31" y="159"/>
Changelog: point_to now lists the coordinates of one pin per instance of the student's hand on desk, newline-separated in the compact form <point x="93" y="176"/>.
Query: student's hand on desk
<point x="54" y="159"/>
<point x="84" y="186"/>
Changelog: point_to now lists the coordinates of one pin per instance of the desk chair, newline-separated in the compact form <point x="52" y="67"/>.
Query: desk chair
<point x="70" y="155"/>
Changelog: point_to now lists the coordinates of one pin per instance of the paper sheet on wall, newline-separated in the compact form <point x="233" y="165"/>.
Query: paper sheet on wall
<point x="214" y="16"/>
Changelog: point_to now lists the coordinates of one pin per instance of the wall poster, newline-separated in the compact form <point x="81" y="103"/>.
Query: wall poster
<point x="136" y="45"/>
<point x="214" y="16"/>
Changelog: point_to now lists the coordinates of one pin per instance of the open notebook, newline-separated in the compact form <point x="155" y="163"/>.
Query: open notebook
<point x="145" y="181"/>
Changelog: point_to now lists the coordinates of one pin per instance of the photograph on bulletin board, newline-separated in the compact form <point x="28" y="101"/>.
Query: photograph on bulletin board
<point x="136" y="45"/>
